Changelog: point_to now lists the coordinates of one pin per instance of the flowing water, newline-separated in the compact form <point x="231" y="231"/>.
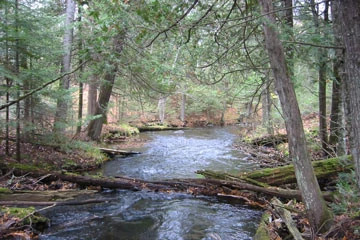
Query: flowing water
<point x="147" y="215"/>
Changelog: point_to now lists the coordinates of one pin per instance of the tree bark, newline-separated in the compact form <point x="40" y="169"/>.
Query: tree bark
<point x="337" y="102"/>
<point x="318" y="213"/>
<point x="62" y="102"/>
<point x="266" y="108"/>
<point x="161" y="108"/>
<point x="322" y="54"/>
<point x="81" y="85"/>
<point x="8" y="85"/>
<point x="95" y="126"/>
<point x="17" y="70"/>
<point x="349" y="16"/>
<point x="182" y="107"/>
<point x="92" y="96"/>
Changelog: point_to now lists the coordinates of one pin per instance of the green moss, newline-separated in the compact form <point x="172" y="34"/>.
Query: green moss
<point x="128" y="130"/>
<point x="28" y="215"/>
<point x="25" y="167"/>
<point x="5" y="190"/>
<point x="261" y="232"/>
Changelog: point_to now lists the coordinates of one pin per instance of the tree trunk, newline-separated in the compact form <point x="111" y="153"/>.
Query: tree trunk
<point x="95" y="126"/>
<point x="62" y="102"/>
<point x="27" y="101"/>
<point x="266" y="108"/>
<point x="322" y="54"/>
<point x="8" y="85"/>
<point x="337" y="125"/>
<point x="289" y="21"/>
<point x="182" y="107"/>
<point x="92" y="96"/>
<point x="318" y="213"/>
<point x="17" y="70"/>
<point x="349" y="16"/>
<point x="161" y="108"/>
<point x="81" y="85"/>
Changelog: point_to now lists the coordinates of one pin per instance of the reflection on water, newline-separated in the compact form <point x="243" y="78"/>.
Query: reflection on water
<point x="147" y="215"/>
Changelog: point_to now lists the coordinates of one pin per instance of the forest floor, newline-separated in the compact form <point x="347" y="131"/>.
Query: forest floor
<point x="37" y="156"/>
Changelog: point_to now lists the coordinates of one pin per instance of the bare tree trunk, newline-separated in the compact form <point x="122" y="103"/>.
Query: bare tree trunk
<point x="17" y="70"/>
<point x="349" y="17"/>
<point x="267" y="120"/>
<point x="27" y="101"/>
<point x="92" y="96"/>
<point x="161" y="108"/>
<point x="62" y="103"/>
<point x="8" y="85"/>
<point x="322" y="54"/>
<point x="318" y="213"/>
<point x="337" y="118"/>
<point x="81" y="85"/>
<point x="183" y="107"/>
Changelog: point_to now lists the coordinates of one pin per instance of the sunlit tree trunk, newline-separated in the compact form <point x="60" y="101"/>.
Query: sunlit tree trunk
<point x="349" y="16"/>
<point x="161" y="108"/>
<point x="318" y="213"/>
<point x="62" y="102"/>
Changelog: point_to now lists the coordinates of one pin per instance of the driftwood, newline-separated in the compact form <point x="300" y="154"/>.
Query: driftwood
<point x="324" y="170"/>
<point x="117" y="152"/>
<point x="287" y="219"/>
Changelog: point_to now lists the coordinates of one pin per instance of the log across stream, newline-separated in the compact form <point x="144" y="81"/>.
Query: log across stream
<point x="151" y="207"/>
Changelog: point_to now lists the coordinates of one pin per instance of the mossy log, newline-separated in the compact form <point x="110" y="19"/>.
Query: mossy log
<point x="324" y="170"/>
<point x="207" y="187"/>
<point x="262" y="230"/>
<point x="287" y="219"/>
<point x="270" y="140"/>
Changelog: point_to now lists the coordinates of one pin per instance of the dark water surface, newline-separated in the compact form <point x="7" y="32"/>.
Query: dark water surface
<point x="147" y="215"/>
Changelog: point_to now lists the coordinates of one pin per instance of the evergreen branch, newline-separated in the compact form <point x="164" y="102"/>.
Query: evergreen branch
<point x="40" y="88"/>
<point x="174" y="24"/>
<point x="314" y="45"/>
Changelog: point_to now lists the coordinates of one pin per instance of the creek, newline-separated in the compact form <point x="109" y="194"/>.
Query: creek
<point x="174" y="216"/>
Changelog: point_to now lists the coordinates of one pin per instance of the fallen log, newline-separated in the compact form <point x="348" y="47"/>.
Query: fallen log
<point x="43" y="196"/>
<point x="159" y="128"/>
<point x="207" y="187"/>
<point x="324" y="170"/>
<point x="287" y="219"/>
<point x="113" y="152"/>
<point x="262" y="232"/>
<point x="55" y="203"/>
